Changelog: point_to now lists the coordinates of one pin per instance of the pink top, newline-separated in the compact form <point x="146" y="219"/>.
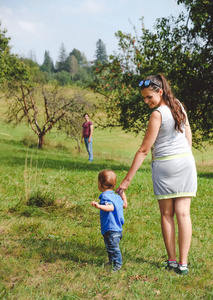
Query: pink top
<point x="86" y="129"/>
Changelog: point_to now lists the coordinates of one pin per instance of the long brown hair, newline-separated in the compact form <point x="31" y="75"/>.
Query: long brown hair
<point x="170" y="100"/>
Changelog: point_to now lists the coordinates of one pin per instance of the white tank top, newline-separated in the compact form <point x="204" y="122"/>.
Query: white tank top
<point x="169" y="141"/>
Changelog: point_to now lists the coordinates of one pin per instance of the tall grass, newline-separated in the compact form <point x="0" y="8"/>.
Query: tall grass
<point x="56" y="251"/>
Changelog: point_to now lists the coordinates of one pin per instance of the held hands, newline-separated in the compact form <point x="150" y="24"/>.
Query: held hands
<point x="123" y="186"/>
<point x="119" y="191"/>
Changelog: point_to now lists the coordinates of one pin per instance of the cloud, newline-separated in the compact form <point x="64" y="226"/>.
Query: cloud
<point x="87" y="7"/>
<point x="6" y="11"/>
<point x="31" y="30"/>
<point x="93" y="6"/>
<point x="27" y="26"/>
<point x="6" y="14"/>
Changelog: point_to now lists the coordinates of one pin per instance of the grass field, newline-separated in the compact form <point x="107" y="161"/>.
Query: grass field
<point x="50" y="241"/>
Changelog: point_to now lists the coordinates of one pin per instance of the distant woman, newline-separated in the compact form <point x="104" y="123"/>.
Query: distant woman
<point x="173" y="167"/>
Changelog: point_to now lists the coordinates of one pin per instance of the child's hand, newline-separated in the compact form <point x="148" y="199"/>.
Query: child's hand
<point x="95" y="204"/>
<point x="123" y="196"/>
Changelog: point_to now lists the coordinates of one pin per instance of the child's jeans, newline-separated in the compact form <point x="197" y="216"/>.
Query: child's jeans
<point x="112" y="239"/>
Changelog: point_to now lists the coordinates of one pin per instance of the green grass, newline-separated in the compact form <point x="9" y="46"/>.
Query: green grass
<point x="56" y="251"/>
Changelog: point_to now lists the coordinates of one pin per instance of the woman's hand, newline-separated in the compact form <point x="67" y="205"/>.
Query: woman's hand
<point x="122" y="187"/>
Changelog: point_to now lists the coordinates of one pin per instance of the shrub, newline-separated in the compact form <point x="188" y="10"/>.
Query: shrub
<point x="41" y="199"/>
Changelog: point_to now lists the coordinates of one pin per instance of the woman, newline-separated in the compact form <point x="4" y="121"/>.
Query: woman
<point x="173" y="167"/>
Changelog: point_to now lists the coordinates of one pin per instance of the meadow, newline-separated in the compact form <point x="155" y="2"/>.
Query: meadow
<point x="50" y="241"/>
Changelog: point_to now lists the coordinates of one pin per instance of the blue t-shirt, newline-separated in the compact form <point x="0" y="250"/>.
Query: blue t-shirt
<point x="112" y="220"/>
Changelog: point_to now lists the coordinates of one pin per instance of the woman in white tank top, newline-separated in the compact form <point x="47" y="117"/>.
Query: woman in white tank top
<point x="173" y="167"/>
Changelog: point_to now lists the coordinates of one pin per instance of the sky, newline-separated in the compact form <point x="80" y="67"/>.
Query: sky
<point x="36" y="26"/>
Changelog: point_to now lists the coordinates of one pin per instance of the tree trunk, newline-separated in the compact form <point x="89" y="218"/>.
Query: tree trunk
<point x="79" y="147"/>
<point x="40" y="141"/>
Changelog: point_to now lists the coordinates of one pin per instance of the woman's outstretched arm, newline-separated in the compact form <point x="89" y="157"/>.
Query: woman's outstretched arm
<point x="148" y="141"/>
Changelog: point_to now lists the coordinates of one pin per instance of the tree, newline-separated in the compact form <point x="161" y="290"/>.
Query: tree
<point x="191" y="78"/>
<point x="181" y="49"/>
<point x="56" y="109"/>
<point x="30" y="101"/>
<point x="71" y="124"/>
<point x="78" y="67"/>
<point x="63" y="78"/>
<point x="12" y="69"/>
<point x="73" y="65"/>
<point x="84" y="75"/>
<point x="47" y="65"/>
<point x="200" y="15"/>
<point x="100" y="53"/>
<point x="78" y="55"/>
<point x="62" y="64"/>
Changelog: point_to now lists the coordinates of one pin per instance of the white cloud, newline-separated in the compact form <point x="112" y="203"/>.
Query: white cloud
<point x="31" y="30"/>
<point x="27" y="26"/>
<point x="93" y="6"/>
<point x="88" y="7"/>
<point x="6" y="11"/>
<point x="6" y="14"/>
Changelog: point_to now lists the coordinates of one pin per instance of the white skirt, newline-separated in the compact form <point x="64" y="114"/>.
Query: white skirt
<point x="174" y="176"/>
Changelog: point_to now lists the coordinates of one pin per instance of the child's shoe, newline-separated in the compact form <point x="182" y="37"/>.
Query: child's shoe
<point x="182" y="269"/>
<point x="116" y="268"/>
<point x="170" y="264"/>
<point x="109" y="264"/>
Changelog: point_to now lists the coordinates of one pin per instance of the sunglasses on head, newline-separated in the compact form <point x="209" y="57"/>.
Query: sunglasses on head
<point x="146" y="83"/>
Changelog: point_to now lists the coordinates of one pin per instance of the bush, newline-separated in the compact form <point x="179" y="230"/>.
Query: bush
<point x="63" y="77"/>
<point x="40" y="199"/>
<point x="30" y="142"/>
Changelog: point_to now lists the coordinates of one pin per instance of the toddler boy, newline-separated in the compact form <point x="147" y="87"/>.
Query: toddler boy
<point x="111" y="216"/>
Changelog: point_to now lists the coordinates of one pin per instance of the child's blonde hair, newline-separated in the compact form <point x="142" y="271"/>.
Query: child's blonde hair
<point x="107" y="179"/>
